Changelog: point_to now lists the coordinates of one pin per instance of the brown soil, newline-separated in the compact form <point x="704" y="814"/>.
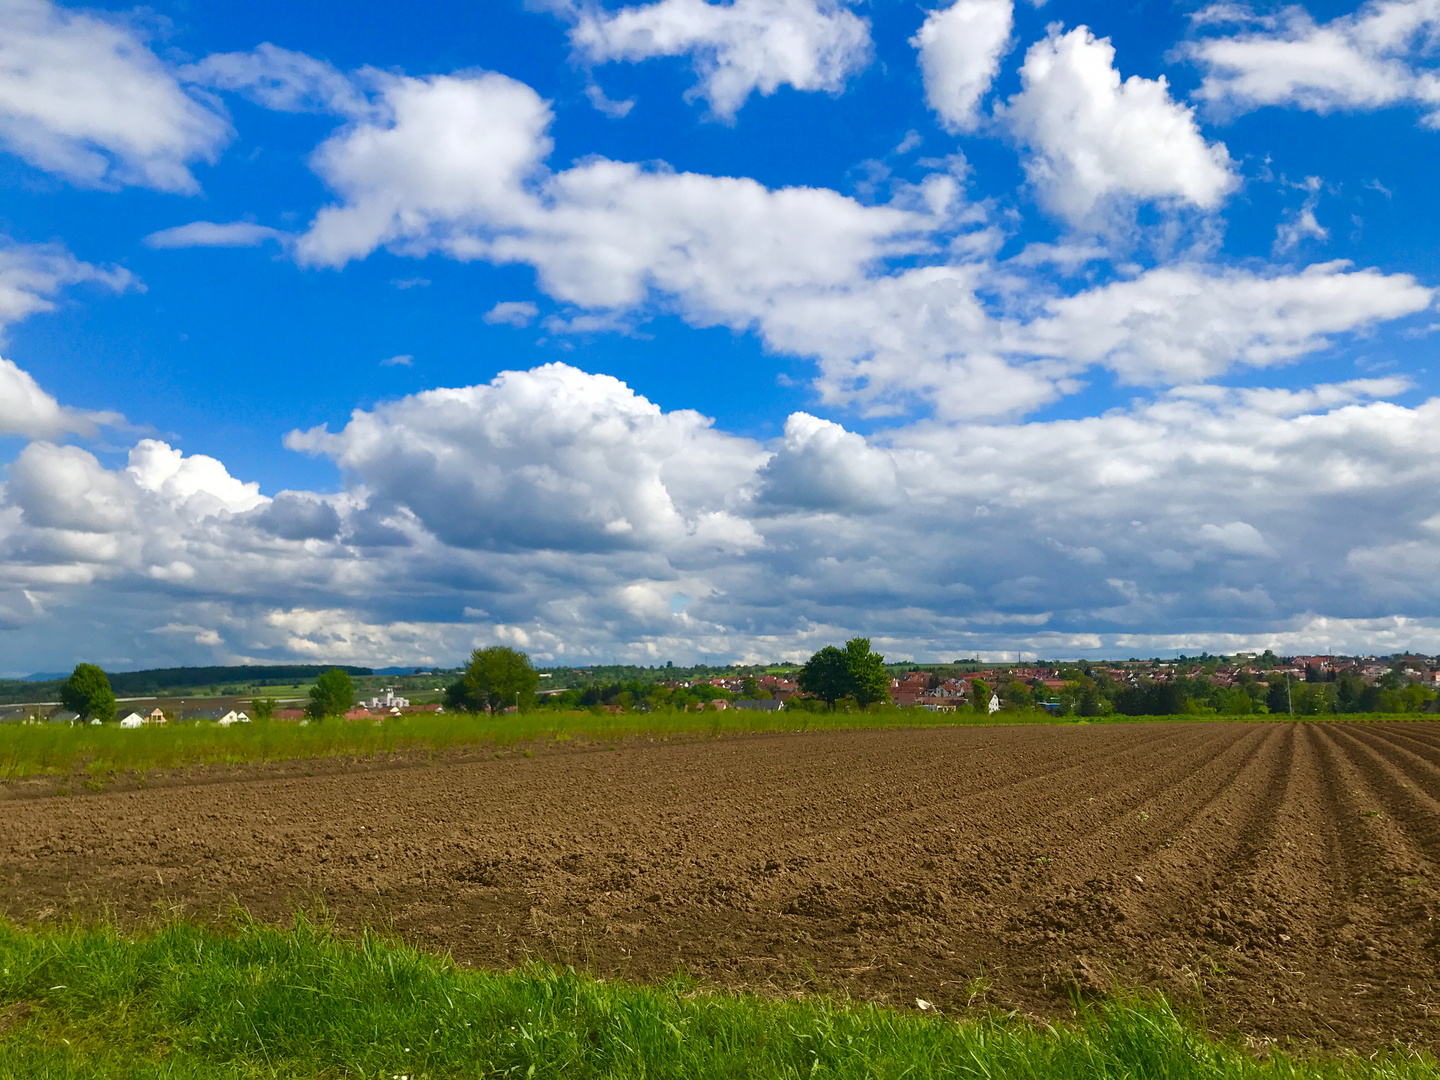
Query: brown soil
<point x="1285" y="876"/>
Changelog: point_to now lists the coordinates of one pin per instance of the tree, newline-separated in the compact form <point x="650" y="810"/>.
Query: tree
<point x="826" y="675"/>
<point x="1278" y="697"/>
<point x="980" y="696"/>
<point x="1091" y="701"/>
<point x="499" y="676"/>
<point x="458" y="699"/>
<point x="869" y="681"/>
<point x="87" y="692"/>
<point x="750" y="690"/>
<point x="263" y="709"/>
<point x="332" y="695"/>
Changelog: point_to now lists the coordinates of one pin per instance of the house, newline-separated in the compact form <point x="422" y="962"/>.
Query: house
<point x="760" y="706"/>
<point x="134" y="720"/>
<point x="359" y="712"/>
<point x="64" y="716"/>
<point x="389" y="701"/>
<point x="156" y="716"/>
<point x="994" y="704"/>
<point x="223" y="717"/>
<point x="289" y="714"/>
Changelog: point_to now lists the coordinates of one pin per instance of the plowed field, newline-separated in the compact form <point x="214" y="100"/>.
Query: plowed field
<point x="1287" y="875"/>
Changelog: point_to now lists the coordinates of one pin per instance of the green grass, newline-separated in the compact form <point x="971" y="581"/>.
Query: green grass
<point x="185" y="1002"/>
<point x="44" y="749"/>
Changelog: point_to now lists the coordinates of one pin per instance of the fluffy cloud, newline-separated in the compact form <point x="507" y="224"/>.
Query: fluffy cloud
<point x="27" y="410"/>
<point x="83" y="97"/>
<point x="1178" y="324"/>
<point x="1094" y="137"/>
<point x="960" y="50"/>
<point x="1379" y="56"/>
<point x="566" y="514"/>
<point x="552" y="459"/>
<point x="458" y="165"/>
<point x="821" y="466"/>
<point x="444" y="168"/>
<point x="739" y="47"/>
<point x="199" y="483"/>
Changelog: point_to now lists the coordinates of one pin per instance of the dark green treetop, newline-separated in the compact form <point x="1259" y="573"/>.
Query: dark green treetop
<point x="332" y="695"/>
<point x="87" y="692"/>
<point x="499" y="676"/>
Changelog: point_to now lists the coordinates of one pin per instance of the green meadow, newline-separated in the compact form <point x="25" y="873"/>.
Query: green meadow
<point x="28" y="750"/>
<point x="184" y="1002"/>
<point x="48" y="749"/>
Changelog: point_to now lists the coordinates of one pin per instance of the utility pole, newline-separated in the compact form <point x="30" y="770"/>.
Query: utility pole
<point x="1290" y="693"/>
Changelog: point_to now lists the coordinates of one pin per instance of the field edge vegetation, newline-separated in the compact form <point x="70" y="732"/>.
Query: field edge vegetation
<point x="35" y="750"/>
<point x="181" y="1000"/>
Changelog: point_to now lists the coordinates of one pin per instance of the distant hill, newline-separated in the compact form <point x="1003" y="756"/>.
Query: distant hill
<point x="45" y="676"/>
<point x="159" y="680"/>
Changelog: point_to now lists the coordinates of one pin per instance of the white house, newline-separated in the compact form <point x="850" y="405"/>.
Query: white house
<point x="134" y="720"/>
<point x="389" y="701"/>
<point x="232" y="717"/>
<point x="994" y="703"/>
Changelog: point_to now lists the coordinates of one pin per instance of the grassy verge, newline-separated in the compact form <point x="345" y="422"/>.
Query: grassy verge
<point x="31" y="749"/>
<point x="47" y="750"/>
<point x="263" y="1002"/>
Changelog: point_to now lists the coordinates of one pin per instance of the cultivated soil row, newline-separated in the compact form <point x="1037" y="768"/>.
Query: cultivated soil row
<point x="1284" y="876"/>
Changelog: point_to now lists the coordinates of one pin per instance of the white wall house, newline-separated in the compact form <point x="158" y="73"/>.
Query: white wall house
<point x="389" y="701"/>
<point x="134" y="720"/>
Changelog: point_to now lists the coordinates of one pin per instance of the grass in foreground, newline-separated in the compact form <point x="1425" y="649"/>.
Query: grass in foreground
<point x="47" y="749"/>
<point x="264" y="1002"/>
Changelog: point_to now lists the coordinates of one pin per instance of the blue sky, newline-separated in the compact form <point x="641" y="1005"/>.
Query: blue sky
<point x="716" y="330"/>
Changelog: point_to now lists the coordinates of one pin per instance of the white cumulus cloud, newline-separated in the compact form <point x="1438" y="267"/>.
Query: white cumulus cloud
<point x="551" y="458"/>
<point x="1182" y="323"/>
<point x="896" y="303"/>
<point x="739" y="48"/>
<point x="1094" y="137"/>
<point x="84" y="97"/>
<point x="960" y="51"/>
<point x="1381" y="55"/>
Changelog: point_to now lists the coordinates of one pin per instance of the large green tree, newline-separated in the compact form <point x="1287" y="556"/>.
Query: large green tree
<point x="869" y="681"/>
<point x="853" y="671"/>
<point x="332" y="695"/>
<point x="87" y="692"/>
<point x="497" y="677"/>
<point x="826" y="675"/>
<point x="979" y="696"/>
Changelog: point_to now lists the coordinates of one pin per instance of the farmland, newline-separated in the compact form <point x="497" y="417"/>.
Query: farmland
<point x="1281" y="877"/>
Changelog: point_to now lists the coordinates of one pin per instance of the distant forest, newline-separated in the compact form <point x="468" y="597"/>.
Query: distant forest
<point x="159" y="680"/>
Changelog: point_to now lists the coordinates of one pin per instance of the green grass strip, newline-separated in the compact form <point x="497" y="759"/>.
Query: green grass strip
<point x="28" y="750"/>
<point x="264" y="1002"/>
<point x="48" y="749"/>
